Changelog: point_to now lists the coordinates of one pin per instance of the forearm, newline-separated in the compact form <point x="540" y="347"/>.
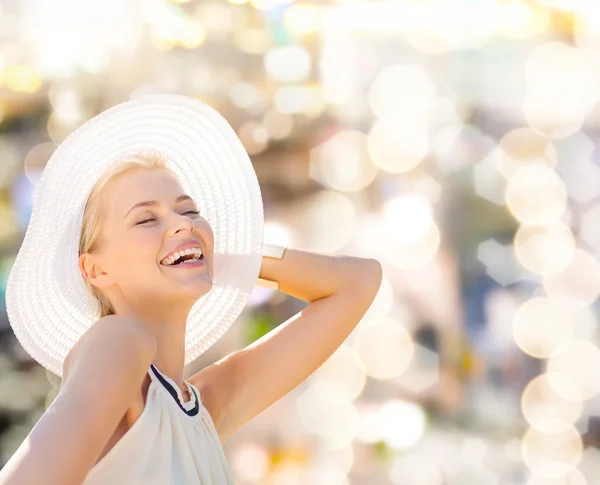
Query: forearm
<point x="310" y="276"/>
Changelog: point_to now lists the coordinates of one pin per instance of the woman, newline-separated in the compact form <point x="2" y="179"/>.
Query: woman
<point x="100" y="294"/>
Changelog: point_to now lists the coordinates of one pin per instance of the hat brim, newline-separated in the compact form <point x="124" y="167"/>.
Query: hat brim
<point x="47" y="301"/>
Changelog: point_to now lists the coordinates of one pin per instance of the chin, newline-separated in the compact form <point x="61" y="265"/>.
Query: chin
<point x="197" y="291"/>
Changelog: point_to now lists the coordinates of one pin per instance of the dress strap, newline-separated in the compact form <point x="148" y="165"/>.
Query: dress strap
<point x="192" y="407"/>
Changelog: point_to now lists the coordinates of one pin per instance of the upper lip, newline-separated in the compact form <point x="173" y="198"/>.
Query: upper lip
<point x="183" y="246"/>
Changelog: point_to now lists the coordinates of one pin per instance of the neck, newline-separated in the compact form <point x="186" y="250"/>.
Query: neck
<point x="170" y="352"/>
<point x="168" y="327"/>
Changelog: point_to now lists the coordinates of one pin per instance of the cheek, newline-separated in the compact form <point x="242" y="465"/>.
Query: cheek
<point x="205" y="232"/>
<point x="141" y="249"/>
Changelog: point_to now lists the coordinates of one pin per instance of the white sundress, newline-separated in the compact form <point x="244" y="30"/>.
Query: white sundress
<point x="171" y="443"/>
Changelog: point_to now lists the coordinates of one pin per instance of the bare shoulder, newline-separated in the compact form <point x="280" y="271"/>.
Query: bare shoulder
<point x="102" y="379"/>
<point x="113" y="330"/>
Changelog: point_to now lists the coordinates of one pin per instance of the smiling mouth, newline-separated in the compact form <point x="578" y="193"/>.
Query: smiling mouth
<point x="183" y="256"/>
<point x="191" y="262"/>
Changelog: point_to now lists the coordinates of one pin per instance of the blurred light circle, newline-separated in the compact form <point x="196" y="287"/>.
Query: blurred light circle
<point x="535" y="194"/>
<point x="11" y="161"/>
<point x="541" y="327"/>
<point x="457" y="146"/>
<point x="340" y="78"/>
<point x="287" y="471"/>
<point x="406" y="255"/>
<point x="251" y="462"/>
<point x="559" y="62"/>
<point x="571" y="477"/>
<point x="585" y="323"/>
<point x="326" y="412"/>
<point x="488" y="182"/>
<point x="582" y="179"/>
<point x="303" y="18"/>
<point x="368" y="424"/>
<point x="443" y="112"/>
<point x="246" y="96"/>
<point x="401" y="90"/>
<point x="411" y="238"/>
<point x="23" y="195"/>
<point x="353" y="110"/>
<point x="552" y="3"/>
<point x="329" y="221"/>
<point x="523" y="146"/>
<point x="385" y="347"/>
<point x="252" y="40"/>
<point x="279" y="125"/>
<point x="551" y="454"/>
<point x="428" y="187"/>
<point x="279" y="232"/>
<point x="344" y="371"/>
<point x="560" y="88"/>
<point x="219" y="18"/>
<point x="22" y="79"/>
<point x="543" y="406"/>
<point x="267" y="4"/>
<point x="343" y="162"/>
<point x="578" y="284"/>
<point x="327" y="473"/>
<point x="520" y="20"/>
<point x="545" y="250"/>
<point x="397" y="146"/>
<point x="589" y="229"/>
<point x="299" y="99"/>
<point x="409" y="217"/>
<point x="70" y="113"/>
<point x="9" y="229"/>
<point x="342" y="459"/>
<point x="193" y="34"/>
<point x="36" y="159"/>
<point x="580" y="362"/>
<point x="512" y="450"/>
<point x="254" y="136"/>
<point x="369" y="222"/>
<point x="440" y="26"/>
<point x="288" y="63"/>
<point x="445" y="142"/>
<point x="415" y="468"/>
<point x="74" y="96"/>
<point x="402" y="423"/>
<point x="586" y="32"/>
<point x="432" y="42"/>
<point x="556" y="118"/>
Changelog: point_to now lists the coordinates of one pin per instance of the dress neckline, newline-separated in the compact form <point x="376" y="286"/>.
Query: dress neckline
<point x="191" y="407"/>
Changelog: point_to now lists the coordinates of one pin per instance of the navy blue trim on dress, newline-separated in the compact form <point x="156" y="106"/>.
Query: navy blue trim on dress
<point x="173" y="392"/>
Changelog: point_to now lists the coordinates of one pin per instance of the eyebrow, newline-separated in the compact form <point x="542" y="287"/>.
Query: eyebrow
<point x="152" y="203"/>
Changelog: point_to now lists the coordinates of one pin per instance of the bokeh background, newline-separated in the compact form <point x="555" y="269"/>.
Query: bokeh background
<point x="453" y="140"/>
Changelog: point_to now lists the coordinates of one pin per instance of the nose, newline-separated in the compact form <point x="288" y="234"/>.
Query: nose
<point x="182" y="223"/>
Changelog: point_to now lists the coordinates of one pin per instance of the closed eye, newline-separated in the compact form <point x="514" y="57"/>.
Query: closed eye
<point x="153" y="219"/>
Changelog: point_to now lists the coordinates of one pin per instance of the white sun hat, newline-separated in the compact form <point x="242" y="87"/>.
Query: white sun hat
<point x="48" y="304"/>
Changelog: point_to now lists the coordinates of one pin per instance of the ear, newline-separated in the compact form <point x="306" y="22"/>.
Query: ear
<point x="92" y="270"/>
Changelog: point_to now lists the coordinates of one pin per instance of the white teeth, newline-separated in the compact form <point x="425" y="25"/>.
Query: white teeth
<point x="175" y="256"/>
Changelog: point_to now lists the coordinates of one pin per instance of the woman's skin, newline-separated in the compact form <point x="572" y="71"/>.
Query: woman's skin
<point x="127" y="267"/>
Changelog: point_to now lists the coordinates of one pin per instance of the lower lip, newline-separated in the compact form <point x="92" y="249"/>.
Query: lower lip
<point x="196" y="264"/>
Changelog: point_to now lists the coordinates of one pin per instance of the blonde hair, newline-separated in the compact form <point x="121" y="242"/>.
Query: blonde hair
<point x="91" y="228"/>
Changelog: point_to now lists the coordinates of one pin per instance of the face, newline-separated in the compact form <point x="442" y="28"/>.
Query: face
<point x="134" y="241"/>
